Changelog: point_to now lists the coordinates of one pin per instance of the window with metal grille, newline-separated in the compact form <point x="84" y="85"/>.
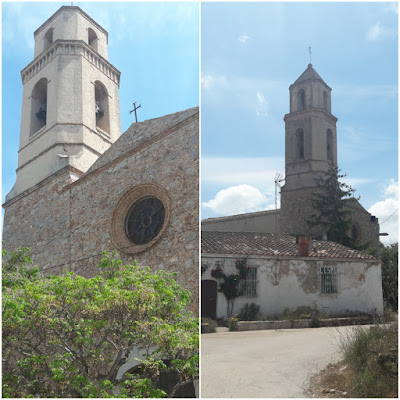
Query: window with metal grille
<point x="329" y="282"/>
<point x="250" y="283"/>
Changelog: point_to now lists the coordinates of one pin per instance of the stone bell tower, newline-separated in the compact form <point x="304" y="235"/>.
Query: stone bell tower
<point x="70" y="103"/>
<point x="310" y="145"/>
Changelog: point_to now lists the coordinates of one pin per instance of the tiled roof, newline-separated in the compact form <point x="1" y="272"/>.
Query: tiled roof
<point x="309" y="74"/>
<point x="270" y="244"/>
<point x="238" y="216"/>
<point x="141" y="132"/>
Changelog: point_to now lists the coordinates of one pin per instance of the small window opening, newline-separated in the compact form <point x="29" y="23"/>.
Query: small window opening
<point x="92" y="39"/>
<point x="48" y="39"/>
<point x="300" y="143"/>
<point x="101" y="107"/>
<point x="249" y="285"/>
<point x="329" y="280"/>
<point x="329" y="145"/>
<point x="325" y="101"/>
<point x="39" y="106"/>
<point x="301" y="101"/>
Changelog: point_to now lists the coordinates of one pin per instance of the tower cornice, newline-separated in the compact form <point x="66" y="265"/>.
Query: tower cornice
<point x="310" y="112"/>
<point x="72" y="48"/>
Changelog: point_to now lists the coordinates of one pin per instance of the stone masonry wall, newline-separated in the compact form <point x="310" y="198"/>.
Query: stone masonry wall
<point x="68" y="226"/>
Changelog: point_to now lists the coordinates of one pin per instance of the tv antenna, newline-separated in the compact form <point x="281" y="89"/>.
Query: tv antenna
<point x="278" y="179"/>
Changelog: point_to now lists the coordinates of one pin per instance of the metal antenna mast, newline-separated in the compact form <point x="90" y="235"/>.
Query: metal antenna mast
<point x="278" y="179"/>
<point x="309" y="50"/>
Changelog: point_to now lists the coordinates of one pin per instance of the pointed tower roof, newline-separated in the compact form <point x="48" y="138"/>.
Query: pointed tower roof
<point x="308" y="75"/>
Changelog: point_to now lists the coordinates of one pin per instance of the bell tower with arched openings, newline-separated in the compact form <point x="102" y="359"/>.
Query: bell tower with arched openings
<point x="70" y="103"/>
<point x="310" y="145"/>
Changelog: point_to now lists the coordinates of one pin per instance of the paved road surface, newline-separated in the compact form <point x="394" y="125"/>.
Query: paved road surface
<point x="270" y="363"/>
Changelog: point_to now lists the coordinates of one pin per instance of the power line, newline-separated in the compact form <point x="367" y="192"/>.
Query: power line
<point x="389" y="217"/>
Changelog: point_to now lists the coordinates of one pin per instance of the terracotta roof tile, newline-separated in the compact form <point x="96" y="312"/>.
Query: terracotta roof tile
<point x="270" y="244"/>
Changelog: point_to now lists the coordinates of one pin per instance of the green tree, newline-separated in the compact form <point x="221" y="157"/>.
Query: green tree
<point x="330" y="212"/>
<point x="390" y="284"/>
<point x="67" y="336"/>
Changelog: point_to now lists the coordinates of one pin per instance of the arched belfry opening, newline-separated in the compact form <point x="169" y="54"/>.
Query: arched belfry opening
<point x="329" y="145"/>
<point x="48" y="39"/>
<point x="299" y="143"/>
<point x="38" y="106"/>
<point x="92" y="39"/>
<point x="301" y="100"/>
<point x="102" y="107"/>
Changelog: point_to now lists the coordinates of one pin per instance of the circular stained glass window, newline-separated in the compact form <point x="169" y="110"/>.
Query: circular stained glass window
<point x="144" y="220"/>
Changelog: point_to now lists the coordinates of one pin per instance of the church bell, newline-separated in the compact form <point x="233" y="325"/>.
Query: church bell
<point x="41" y="114"/>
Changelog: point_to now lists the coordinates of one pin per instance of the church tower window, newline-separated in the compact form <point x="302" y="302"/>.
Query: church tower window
<point x="101" y="107"/>
<point x="92" y="39"/>
<point x="325" y="101"/>
<point x="301" y="101"/>
<point x="299" y="143"/>
<point x="38" y="106"/>
<point x="48" y="39"/>
<point x="329" y="145"/>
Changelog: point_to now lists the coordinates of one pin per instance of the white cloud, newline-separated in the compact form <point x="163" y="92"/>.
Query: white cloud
<point x="256" y="171"/>
<point x="353" y="92"/>
<point x="356" y="144"/>
<point x="19" y="25"/>
<point x="212" y="82"/>
<point x="243" y="39"/>
<point x="232" y="91"/>
<point x="384" y="209"/>
<point x="355" y="182"/>
<point x="262" y="105"/>
<point x="379" y="31"/>
<point x="393" y="7"/>
<point x="237" y="200"/>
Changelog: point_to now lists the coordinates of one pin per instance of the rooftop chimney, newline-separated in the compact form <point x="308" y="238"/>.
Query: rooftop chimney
<point x="304" y="242"/>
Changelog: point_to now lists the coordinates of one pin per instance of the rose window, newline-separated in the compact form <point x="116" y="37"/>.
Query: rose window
<point x="144" y="220"/>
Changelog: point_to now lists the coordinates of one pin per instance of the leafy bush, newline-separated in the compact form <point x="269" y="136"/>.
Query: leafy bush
<point x="232" y="324"/>
<point x="68" y="336"/>
<point x="249" y="312"/>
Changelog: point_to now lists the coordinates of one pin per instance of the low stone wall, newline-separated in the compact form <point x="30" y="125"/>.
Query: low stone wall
<point x="300" y="323"/>
<point x="205" y="327"/>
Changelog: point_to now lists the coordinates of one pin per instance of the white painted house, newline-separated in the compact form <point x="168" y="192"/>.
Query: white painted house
<point x="282" y="274"/>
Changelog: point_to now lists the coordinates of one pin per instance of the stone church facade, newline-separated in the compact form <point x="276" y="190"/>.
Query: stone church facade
<point x="310" y="146"/>
<point x="83" y="188"/>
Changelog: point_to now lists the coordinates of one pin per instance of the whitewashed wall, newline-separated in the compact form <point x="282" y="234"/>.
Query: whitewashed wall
<point x="290" y="283"/>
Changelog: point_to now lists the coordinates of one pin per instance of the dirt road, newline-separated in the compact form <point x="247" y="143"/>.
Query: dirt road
<point x="273" y="363"/>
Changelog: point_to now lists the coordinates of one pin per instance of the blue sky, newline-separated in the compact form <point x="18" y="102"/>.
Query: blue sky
<point x="154" y="45"/>
<point x="251" y="53"/>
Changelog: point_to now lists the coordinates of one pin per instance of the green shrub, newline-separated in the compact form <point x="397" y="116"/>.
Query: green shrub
<point x="232" y="324"/>
<point x="372" y="356"/>
<point x="315" y="321"/>
<point x="249" y="312"/>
